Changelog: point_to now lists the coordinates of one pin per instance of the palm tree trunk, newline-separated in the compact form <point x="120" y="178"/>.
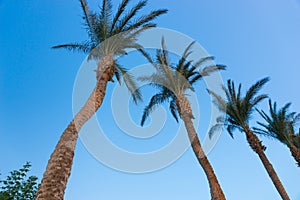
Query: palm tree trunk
<point x="59" y="165"/>
<point x="295" y="153"/>
<point x="257" y="147"/>
<point x="186" y="115"/>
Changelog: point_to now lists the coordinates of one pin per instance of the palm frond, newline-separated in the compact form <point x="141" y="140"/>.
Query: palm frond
<point x="115" y="45"/>
<point x="156" y="99"/>
<point x="146" y="55"/>
<point x="86" y="13"/>
<point x="218" y="101"/>
<point x="102" y="23"/>
<point x="215" y="128"/>
<point x="221" y="119"/>
<point x="118" y="14"/>
<point x="258" y="99"/>
<point x="173" y="79"/>
<point x="118" y="76"/>
<point x="157" y="80"/>
<point x="203" y="60"/>
<point x="280" y="124"/>
<point x="206" y="71"/>
<point x="255" y="88"/>
<point x="262" y="131"/>
<point x="164" y="55"/>
<point x="195" y="78"/>
<point x="230" y="129"/>
<point x="239" y="92"/>
<point x="173" y="109"/>
<point x="89" y="21"/>
<point x="126" y="19"/>
<point x="84" y="47"/>
<point x="106" y="12"/>
<point x="139" y="30"/>
<point x="185" y="54"/>
<point x="146" y="19"/>
<point x="238" y="109"/>
<point x="130" y="83"/>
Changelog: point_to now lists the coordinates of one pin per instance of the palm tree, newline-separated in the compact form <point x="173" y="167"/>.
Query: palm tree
<point x="108" y="36"/>
<point x="172" y="82"/>
<point x="238" y="111"/>
<point x="281" y="126"/>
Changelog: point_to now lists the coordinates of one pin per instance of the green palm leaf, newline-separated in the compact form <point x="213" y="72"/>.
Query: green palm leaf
<point x="280" y="124"/>
<point x="238" y="109"/>
<point x="173" y="80"/>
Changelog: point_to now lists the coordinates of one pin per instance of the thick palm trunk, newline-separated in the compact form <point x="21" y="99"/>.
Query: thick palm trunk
<point x="257" y="147"/>
<point x="59" y="165"/>
<point x="186" y="114"/>
<point x="295" y="153"/>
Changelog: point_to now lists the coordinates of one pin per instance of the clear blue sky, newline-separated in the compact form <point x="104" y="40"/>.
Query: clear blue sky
<point x="253" y="38"/>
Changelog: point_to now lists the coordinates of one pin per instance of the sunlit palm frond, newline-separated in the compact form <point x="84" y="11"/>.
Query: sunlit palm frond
<point x="115" y="45"/>
<point x="157" y="81"/>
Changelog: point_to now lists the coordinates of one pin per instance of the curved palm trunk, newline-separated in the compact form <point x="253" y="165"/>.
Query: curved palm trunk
<point x="258" y="148"/>
<point x="59" y="165"/>
<point x="295" y="153"/>
<point x="186" y="115"/>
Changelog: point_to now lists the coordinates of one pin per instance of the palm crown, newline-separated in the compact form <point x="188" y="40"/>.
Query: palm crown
<point x="112" y="34"/>
<point x="280" y="124"/>
<point x="103" y="25"/>
<point x="238" y="109"/>
<point x="174" y="80"/>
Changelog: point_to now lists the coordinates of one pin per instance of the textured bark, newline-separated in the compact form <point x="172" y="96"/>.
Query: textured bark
<point x="186" y="114"/>
<point x="59" y="165"/>
<point x="183" y="106"/>
<point x="295" y="153"/>
<point x="257" y="147"/>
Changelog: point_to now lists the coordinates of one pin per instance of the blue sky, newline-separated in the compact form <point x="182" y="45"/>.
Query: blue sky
<point x="253" y="38"/>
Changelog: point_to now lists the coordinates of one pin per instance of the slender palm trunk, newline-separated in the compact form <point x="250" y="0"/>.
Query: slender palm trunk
<point x="258" y="148"/>
<point x="186" y="115"/>
<point x="295" y="153"/>
<point x="59" y="165"/>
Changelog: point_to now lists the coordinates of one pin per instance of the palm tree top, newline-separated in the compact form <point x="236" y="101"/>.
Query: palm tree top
<point x="280" y="123"/>
<point x="110" y="35"/>
<point x="174" y="79"/>
<point x="104" y="25"/>
<point x="238" y="109"/>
